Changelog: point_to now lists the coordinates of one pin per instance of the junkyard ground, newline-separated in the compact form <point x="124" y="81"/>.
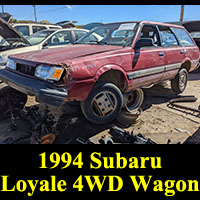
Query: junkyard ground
<point x="157" y="122"/>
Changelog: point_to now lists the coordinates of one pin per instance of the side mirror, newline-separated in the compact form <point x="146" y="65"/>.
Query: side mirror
<point x="144" y="42"/>
<point x="45" y="44"/>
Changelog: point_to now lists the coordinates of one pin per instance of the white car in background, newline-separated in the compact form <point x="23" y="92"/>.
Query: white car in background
<point x="14" y="43"/>
<point x="26" y="30"/>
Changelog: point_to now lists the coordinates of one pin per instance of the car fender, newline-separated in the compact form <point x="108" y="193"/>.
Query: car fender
<point x="107" y="68"/>
<point x="187" y="64"/>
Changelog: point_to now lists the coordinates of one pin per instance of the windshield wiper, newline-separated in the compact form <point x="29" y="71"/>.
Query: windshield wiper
<point x="98" y="42"/>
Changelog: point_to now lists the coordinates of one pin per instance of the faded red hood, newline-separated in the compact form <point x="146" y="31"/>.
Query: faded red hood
<point x="66" y="54"/>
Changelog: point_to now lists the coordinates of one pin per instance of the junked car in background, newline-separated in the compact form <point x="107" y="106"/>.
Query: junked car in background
<point x="14" y="43"/>
<point x="104" y="72"/>
<point x="193" y="27"/>
<point x="26" y="30"/>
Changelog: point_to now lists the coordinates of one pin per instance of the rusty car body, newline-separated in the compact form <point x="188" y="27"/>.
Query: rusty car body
<point x="98" y="73"/>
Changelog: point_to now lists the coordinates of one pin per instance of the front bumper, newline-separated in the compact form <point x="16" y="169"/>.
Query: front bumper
<point x="44" y="92"/>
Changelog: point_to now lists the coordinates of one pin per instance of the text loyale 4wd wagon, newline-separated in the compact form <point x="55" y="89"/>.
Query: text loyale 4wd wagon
<point x="103" y="72"/>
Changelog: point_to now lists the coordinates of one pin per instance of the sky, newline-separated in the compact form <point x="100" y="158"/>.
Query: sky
<point x="85" y="14"/>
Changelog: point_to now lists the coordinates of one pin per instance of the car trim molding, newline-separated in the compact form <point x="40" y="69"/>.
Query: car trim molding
<point x="155" y="70"/>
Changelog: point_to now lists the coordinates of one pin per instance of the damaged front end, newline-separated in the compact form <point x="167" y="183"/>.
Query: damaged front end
<point x="44" y="82"/>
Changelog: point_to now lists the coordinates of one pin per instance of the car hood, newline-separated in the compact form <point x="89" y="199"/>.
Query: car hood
<point x="65" y="55"/>
<point x="10" y="34"/>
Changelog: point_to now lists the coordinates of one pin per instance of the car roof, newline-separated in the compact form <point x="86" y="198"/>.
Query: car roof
<point x="147" y="22"/>
<point x="67" y="29"/>
<point x="35" y="24"/>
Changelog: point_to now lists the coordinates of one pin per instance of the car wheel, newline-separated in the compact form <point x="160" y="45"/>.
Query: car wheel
<point x="103" y="103"/>
<point x="133" y="100"/>
<point x="179" y="84"/>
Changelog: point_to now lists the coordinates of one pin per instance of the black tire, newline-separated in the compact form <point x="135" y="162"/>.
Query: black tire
<point x="127" y="118"/>
<point x="179" y="84"/>
<point x="103" y="103"/>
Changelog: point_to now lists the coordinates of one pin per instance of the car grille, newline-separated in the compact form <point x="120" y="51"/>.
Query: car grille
<point x="26" y="69"/>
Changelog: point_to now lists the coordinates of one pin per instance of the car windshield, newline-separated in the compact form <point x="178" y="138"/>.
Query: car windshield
<point x="39" y="37"/>
<point x="120" y="34"/>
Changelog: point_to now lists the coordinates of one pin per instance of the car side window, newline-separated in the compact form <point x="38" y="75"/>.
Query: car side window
<point x="38" y="28"/>
<point x="60" y="38"/>
<point x="168" y="39"/>
<point x="150" y="31"/>
<point x="23" y="30"/>
<point x="183" y="37"/>
<point x="79" y="34"/>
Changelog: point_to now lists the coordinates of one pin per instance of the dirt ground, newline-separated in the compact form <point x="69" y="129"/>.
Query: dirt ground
<point x="157" y="121"/>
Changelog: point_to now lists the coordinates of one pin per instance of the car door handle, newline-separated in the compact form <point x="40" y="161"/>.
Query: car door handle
<point x="161" y="53"/>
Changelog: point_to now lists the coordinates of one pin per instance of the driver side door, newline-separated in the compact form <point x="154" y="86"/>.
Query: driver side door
<point x="147" y="62"/>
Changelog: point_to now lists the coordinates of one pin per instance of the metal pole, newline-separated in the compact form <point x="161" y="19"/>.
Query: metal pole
<point x="35" y="13"/>
<point x="2" y="8"/>
<point x="182" y="13"/>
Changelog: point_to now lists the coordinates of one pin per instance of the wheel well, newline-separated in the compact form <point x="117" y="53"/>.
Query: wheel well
<point x="186" y="65"/>
<point x="116" y="77"/>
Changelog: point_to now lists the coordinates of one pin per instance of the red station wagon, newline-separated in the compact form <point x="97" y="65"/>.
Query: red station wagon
<point x="104" y="68"/>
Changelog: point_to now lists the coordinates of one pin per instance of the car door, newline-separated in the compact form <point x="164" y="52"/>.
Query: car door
<point x="174" y="53"/>
<point x="147" y="62"/>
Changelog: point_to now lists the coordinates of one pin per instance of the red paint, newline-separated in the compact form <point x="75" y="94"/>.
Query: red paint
<point x="89" y="62"/>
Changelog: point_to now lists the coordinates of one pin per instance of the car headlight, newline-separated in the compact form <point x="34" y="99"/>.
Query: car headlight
<point x="49" y="73"/>
<point x="11" y="64"/>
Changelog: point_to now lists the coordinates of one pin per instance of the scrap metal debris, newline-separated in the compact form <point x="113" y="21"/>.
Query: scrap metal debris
<point x="42" y="125"/>
<point x="119" y="136"/>
<point x="174" y="103"/>
<point x="183" y="131"/>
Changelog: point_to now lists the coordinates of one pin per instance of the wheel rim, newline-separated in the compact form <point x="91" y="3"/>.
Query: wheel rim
<point x="104" y="104"/>
<point x="182" y="81"/>
<point x="133" y="100"/>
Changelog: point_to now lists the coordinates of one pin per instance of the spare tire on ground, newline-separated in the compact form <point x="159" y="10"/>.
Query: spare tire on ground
<point x="133" y="100"/>
<point x="127" y="118"/>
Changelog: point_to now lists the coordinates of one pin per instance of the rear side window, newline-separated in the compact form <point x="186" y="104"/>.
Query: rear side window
<point x="168" y="39"/>
<point x="183" y="37"/>
<point x="23" y="30"/>
<point x="38" y="28"/>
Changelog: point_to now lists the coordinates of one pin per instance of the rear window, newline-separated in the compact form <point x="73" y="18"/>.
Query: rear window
<point x="38" y="28"/>
<point x="183" y="37"/>
<point x="54" y="27"/>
